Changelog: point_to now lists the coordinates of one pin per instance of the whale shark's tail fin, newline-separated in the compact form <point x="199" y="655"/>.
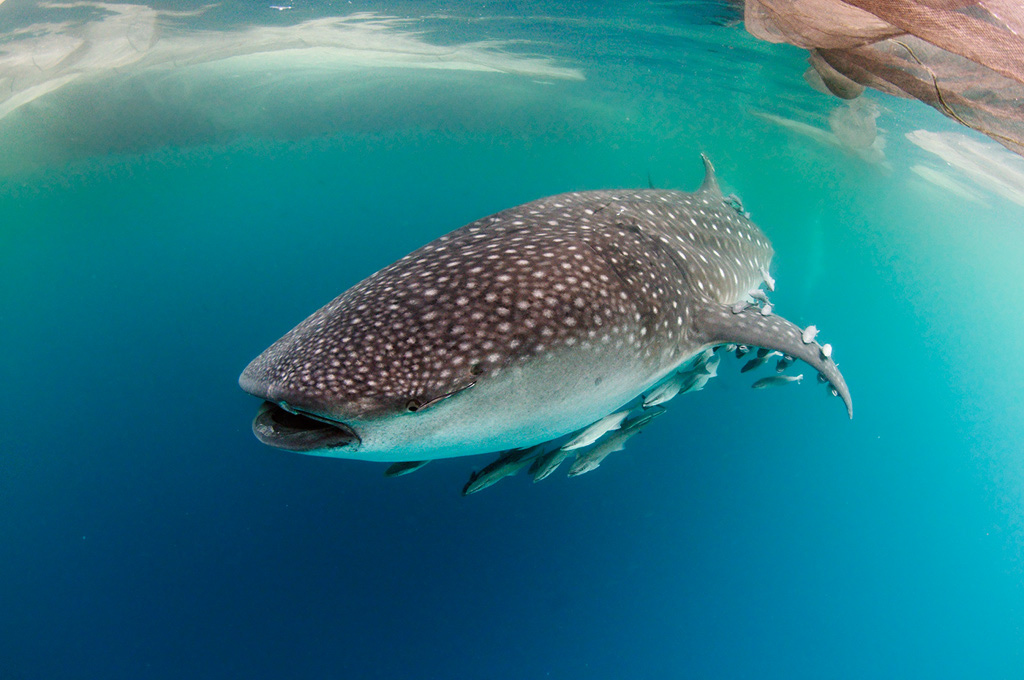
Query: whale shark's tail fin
<point x="719" y="324"/>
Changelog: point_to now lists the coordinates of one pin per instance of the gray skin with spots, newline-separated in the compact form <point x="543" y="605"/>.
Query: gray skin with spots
<point x="521" y="327"/>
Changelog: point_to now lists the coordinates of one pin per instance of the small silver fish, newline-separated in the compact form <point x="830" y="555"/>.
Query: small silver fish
<point x="775" y="380"/>
<point x="826" y="351"/>
<point x="404" y="468"/>
<point x="591" y="459"/>
<point x="705" y="367"/>
<point x="768" y="280"/>
<point x="641" y="420"/>
<point x="546" y="464"/>
<point x="667" y="390"/>
<point x="809" y="334"/>
<point x="759" y="294"/>
<point x="704" y="357"/>
<point x="752" y="364"/>
<point x="593" y="432"/>
<point x="508" y="464"/>
<point x="757" y="361"/>
<point x="782" y="364"/>
<point x="695" y="381"/>
<point x="711" y="365"/>
<point x="734" y="202"/>
<point x="766" y="310"/>
<point x="741" y="350"/>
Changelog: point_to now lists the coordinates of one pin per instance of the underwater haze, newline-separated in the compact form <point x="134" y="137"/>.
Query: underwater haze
<point x="181" y="184"/>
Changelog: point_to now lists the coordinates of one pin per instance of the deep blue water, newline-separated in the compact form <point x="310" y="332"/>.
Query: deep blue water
<point x="161" y="224"/>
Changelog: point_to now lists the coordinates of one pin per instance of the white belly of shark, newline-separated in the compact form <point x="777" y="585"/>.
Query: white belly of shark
<point x="525" y="327"/>
<point x="518" y="408"/>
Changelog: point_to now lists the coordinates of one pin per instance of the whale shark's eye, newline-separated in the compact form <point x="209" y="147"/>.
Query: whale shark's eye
<point x="476" y="368"/>
<point x="413" y="405"/>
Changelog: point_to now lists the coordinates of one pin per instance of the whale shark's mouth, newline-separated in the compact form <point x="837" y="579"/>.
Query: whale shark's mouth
<point x="300" y="432"/>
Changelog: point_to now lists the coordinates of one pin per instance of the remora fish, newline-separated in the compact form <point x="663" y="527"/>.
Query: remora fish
<point x="543" y="466"/>
<point x="404" y="468"/>
<point x="783" y="363"/>
<point x="592" y="458"/>
<point x="594" y="432"/>
<point x="505" y="466"/>
<point x="693" y="380"/>
<point x="696" y="380"/>
<point x="775" y="380"/>
<point x="758" y="361"/>
<point x="667" y="390"/>
<point x="521" y="327"/>
<point x="711" y="365"/>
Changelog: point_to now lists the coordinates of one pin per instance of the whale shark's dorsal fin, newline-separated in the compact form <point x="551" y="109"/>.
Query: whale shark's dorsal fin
<point x="710" y="184"/>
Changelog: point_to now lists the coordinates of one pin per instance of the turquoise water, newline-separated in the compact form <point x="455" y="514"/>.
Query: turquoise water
<point x="163" y="222"/>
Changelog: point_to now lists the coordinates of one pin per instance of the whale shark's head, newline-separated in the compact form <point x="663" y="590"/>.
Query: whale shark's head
<point x="371" y="360"/>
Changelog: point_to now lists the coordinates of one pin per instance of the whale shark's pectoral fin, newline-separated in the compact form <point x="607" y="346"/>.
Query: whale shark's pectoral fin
<point x="720" y="324"/>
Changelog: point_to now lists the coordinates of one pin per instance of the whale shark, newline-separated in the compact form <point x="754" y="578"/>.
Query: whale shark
<point x="524" y="327"/>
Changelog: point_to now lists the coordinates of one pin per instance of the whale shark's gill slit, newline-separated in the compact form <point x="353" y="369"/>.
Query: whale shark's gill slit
<point x="416" y="405"/>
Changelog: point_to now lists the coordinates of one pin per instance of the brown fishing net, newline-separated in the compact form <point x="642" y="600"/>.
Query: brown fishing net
<point x="963" y="57"/>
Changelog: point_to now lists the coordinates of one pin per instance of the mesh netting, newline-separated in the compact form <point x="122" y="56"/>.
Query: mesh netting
<point x="963" y="57"/>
